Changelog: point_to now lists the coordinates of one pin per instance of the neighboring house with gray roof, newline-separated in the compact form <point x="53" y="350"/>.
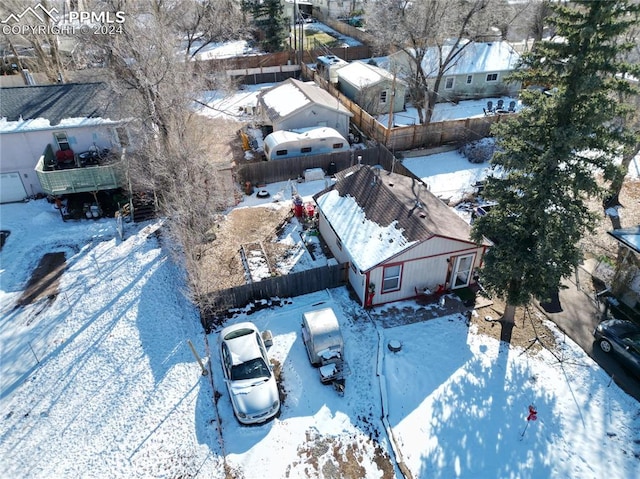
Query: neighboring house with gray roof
<point x="480" y="71"/>
<point x="374" y="89"/>
<point x="293" y="104"/>
<point x="60" y="119"/>
<point x="398" y="238"/>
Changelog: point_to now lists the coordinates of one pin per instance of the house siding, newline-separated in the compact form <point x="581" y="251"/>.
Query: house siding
<point x="424" y="266"/>
<point x="368" y="98"/>
<point x="478" y="88"/>
<point x="21" y="151"/>
<point x="356" y="278"/>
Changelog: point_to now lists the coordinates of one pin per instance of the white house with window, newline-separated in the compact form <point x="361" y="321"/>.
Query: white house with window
<point x="67" y="118"/>
<point x="479" y="71"/>
<point x="374" y="89"/>
<point x="293" y="104"/>
<point x="397" y="237"/>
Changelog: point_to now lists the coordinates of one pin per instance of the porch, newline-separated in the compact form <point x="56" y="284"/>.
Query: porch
<point x="84" y="172"/>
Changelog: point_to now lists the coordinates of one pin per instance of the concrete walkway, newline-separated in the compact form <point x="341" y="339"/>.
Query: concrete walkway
<point x="577" y="312"/>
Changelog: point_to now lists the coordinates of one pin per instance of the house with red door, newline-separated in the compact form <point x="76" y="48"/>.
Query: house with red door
<point x="398" y="238"/>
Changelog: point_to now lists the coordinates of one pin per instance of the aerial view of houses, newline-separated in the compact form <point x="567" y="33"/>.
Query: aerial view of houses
<point x="320" y="239"/>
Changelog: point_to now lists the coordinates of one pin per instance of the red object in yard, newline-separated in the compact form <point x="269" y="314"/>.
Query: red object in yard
<point x="309" y="210"/>
<point x="533" y="414"/>
<point x="298" y="207"/>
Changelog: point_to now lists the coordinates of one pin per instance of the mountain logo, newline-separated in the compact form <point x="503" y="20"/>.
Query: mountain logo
<point x="39" y="11"/>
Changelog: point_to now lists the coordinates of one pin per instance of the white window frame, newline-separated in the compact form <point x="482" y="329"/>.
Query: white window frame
<point x="465" y="275"/>
<point x="395" y="277"/>
<point x="446" y="83"/>
<point x="490" y="75"/>
<point x="384" y="95"/>
<point x="62" y="140"/>
<point x="469" y="79"/>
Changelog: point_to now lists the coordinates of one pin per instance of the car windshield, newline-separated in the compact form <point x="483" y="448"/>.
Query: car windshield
<point x="254" y="369"/>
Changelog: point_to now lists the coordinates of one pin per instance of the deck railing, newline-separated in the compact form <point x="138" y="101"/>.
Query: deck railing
<point x="107" y="176"/>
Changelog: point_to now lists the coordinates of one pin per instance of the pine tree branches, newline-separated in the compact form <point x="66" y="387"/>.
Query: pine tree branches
<point x="549" y="156"/>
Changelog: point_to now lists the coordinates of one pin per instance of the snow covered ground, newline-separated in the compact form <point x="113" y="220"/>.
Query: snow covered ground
<point x="449" y="175"/>
<point x="99" y="381"/>
<point x="444" y="112"/>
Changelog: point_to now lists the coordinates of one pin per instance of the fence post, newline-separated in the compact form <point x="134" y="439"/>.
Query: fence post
<point x="193" y="350"/>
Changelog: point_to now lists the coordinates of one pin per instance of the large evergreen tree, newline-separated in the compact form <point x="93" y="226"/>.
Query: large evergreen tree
<point x="268" y="17"/>
<point x="550" y="156"/>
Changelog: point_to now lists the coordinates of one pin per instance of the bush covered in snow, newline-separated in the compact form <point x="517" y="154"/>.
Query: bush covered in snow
<point x="478" y="151"/>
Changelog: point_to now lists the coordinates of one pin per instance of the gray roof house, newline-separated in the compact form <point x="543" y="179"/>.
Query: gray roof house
<point x="293" y="104"/>
<point x="374" y="89"/>
<point x="479" y="71"/>
<point x="399" y="239"/>
<point x="45" y="129"/>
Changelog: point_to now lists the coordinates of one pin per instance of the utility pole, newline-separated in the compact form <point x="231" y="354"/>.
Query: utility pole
<point x="391" y="106"/>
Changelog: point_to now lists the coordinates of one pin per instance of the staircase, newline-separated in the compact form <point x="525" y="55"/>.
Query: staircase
<point x="144" y="207"/>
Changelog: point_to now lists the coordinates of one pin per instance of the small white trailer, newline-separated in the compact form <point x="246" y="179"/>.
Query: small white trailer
<point x="325" y="347"/>
<point x="303" y="142"/>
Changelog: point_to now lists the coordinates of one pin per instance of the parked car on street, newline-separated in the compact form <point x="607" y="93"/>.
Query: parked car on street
<point x="621" y="338"/>
<point x="248" y="374"/>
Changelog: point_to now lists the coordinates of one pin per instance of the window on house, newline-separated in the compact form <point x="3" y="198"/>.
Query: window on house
<point x="62" y="141"/>
<point x="469" y="79"/>
<point x="492" y="77"/>
<point x="305" y="149"/>
<point x="391" y="278"/>
<point x="383" y="96"/>
<point x="281" y="152"/>
<point x="337" y="145"/>
<point x="448" y="83"/>
<point x="339" y="243"/>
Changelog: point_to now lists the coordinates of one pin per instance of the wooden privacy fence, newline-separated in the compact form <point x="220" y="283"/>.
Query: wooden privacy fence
<point x="412" y="136"/>
<point x="289" y="57"/>
<point x="254" y="76"/>
<point x="290" y="285"/>
<point x="285" y="169"/>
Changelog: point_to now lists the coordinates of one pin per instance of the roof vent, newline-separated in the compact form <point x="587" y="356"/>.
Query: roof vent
<point x="391" y="184"/>
<point x="422" y="214"/>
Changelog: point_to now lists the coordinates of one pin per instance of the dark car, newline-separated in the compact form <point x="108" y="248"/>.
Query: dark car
<point x="621" y="338"/>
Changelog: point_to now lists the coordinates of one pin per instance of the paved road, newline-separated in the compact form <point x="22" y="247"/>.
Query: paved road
<point x="577" y="315"/>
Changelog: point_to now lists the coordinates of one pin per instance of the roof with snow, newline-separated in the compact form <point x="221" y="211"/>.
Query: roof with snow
<point x="378" y="214"/>
<point x="476" y="57"/>
<point x="55" y="102"/>
<point x="322" y="132"/>
<point x="630" y="237"/>
<point x="293" y="95"/>
<point x="362" y="74"/>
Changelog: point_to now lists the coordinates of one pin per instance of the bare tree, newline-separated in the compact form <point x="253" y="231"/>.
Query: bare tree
<point x="432" y="36"/>
<point x="43" y="43"/>
<point x="538" y="21"/>
<point x="200" y="23"/>
<point x="179" y="155"/>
